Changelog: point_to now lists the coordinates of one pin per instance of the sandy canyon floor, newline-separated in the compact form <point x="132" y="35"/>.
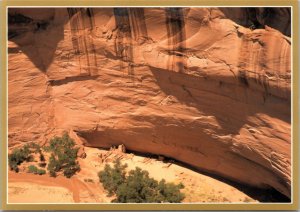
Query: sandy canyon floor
<point x="84" y="187"/>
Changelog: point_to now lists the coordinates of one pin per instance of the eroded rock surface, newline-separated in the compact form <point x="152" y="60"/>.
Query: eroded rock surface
<point x="207" y="86"/>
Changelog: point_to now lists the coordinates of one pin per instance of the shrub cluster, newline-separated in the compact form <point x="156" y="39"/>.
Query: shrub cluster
<point x="18" y="156"/>
<point x="137" y="186"/>
<point x="33" y="169"/>
<point x="63" y="156"/>
<point x="112" y="178"/>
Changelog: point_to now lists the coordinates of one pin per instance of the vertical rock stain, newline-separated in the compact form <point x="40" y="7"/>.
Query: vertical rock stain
<point x="80" y="20"/>
<point x="123" y="43"/>
<point x="138" y="23"/>
<point x="176" y="39"/>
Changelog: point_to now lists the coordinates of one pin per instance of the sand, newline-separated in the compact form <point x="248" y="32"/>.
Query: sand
<point x="21" y="192"/>
<point x="84" y="187"/>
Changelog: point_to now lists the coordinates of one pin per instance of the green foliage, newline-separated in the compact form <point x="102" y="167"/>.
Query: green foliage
<point x="33" y="169"/>
<point x="170" y="192"/>
<point x="138" y="187"/>
<point x="63" y="156"/>
<point x="18" y="156"/>
<point x="71" y="169"/>
<point x="53" y="166"/>
<point x="41" y="172"/>
<point x="112" y="178"/>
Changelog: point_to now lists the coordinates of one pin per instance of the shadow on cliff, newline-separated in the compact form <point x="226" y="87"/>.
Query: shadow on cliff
<point x="262" y="195"/>
<point x="37" y="39"/>
<point x="210" y="97"/>
<point x="257" y="18"/>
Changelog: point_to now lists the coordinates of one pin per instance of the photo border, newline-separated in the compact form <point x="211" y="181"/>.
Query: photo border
<point x="159" y="206"/>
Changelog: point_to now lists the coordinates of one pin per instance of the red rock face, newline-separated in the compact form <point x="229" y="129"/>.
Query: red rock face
<point x="207" y="86"/>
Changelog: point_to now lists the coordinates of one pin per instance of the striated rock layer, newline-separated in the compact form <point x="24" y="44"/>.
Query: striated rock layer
<point x="207" y="86"/>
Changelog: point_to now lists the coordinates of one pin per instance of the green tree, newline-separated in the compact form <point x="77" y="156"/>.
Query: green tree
<point x="53" y="166"/>
<point x="18" y="156"/>
<point x="71" y="169"/>
<point x="137" y="186"/>
<point x="170" y="192"/>
<point x="112" y="178"/>
<point x="63" y="156"/>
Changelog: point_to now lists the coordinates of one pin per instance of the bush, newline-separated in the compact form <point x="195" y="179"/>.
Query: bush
<point x="170" y="192"/>
<point x="41" y="172"/>
<point x="71" y="169"/>
<point x="112" y="178"/>
<point x="138" y="187"/>
<point x="53" y="166"/>
<point x="33" y="169"/>
<point x="18" y="156"/>
<point x="63" y="156"/>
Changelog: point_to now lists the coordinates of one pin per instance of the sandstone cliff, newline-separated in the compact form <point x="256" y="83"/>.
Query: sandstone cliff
<point x="207" y="86"/>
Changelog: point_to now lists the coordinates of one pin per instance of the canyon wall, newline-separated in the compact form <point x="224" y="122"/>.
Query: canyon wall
<point x="210" y="87"/>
